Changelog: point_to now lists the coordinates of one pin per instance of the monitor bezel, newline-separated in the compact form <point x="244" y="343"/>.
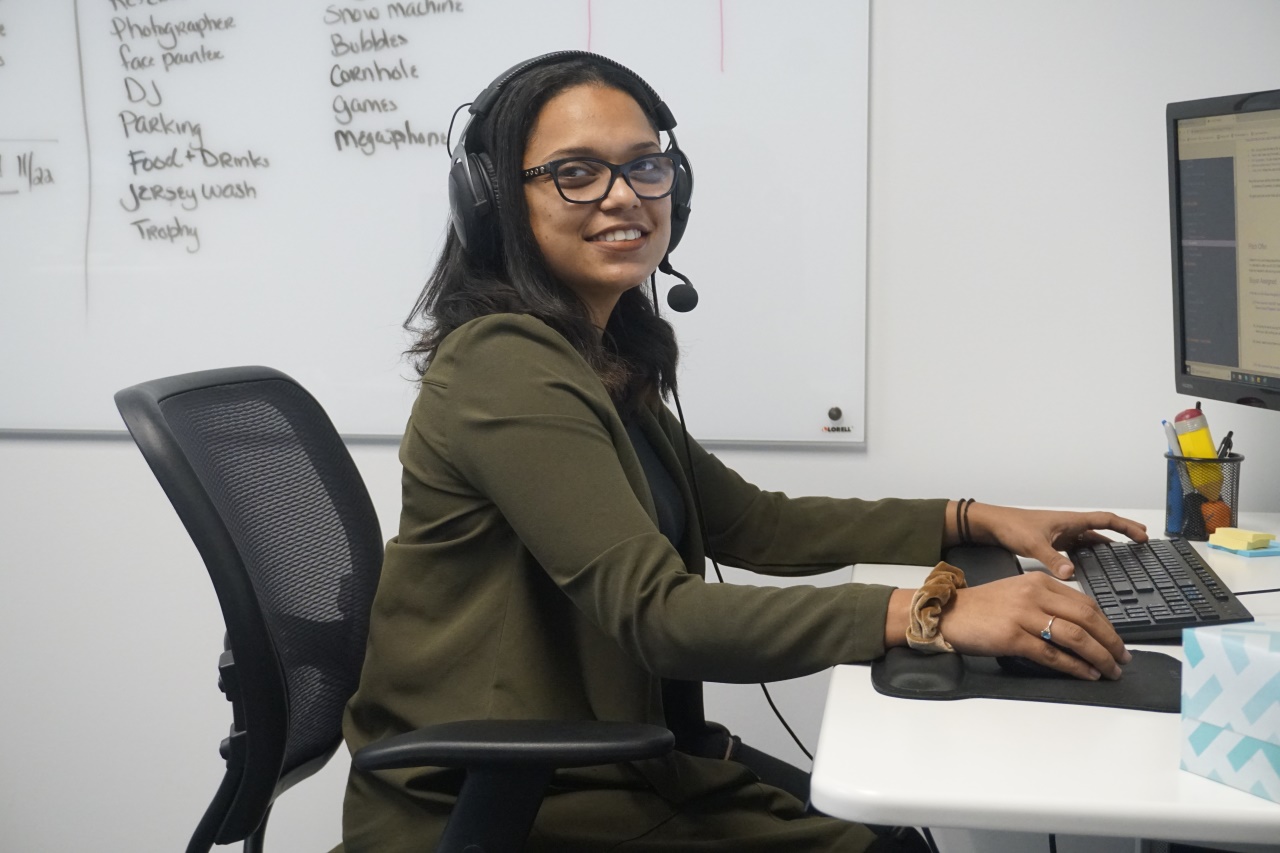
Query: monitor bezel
<point x="1204" y="386"/>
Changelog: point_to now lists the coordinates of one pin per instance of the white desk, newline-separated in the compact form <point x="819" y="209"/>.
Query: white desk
<point x="1033" y="766"/>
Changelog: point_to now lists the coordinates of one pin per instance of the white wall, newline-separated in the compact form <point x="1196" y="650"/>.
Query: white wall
<point x="1019" y="351"/>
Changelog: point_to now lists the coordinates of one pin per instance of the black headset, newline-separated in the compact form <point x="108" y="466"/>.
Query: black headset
<point x="473" y="182"/>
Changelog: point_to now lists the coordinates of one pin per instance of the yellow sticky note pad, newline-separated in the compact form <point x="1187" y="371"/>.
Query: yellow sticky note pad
<point x="1240" y="540"/>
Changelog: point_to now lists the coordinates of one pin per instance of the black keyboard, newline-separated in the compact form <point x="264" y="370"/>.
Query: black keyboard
<point x="1152" y="590"/>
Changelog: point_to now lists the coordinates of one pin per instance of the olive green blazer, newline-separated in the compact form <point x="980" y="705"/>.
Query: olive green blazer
<point x="528" y="578"/>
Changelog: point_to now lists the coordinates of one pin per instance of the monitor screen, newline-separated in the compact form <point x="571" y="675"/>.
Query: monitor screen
<point x="1224" y="192"/>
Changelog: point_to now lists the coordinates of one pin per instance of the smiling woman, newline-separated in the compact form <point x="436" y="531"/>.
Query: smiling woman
<point x="557" y="518"/>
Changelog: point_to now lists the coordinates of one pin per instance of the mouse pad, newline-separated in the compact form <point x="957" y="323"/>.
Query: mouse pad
<point x="1152" y="681"/>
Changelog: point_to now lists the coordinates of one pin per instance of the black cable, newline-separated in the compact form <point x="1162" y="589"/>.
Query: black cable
<point x="1053" y="843"/>
<point x="928" y="839"/>
<point x="783" y="720"/>
<point x="702" y="525"/>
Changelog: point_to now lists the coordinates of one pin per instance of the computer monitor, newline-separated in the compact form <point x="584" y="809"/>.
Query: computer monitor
<point x="1224" y="195"/>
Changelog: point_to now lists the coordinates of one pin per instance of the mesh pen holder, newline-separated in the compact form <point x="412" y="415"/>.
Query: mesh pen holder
<point x="1201" y="495"/>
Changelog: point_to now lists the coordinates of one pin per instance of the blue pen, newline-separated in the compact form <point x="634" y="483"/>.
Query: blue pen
<point x="1176" y="486"/>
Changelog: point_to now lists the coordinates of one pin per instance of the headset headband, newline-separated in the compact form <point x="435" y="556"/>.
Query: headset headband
<point x="484" y="101"/>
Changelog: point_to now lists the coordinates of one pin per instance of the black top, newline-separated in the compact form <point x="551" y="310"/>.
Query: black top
<point x="666" y="495"/>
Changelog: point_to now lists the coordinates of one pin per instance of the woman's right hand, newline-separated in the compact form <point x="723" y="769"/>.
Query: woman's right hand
<point x="1005" y="617"/>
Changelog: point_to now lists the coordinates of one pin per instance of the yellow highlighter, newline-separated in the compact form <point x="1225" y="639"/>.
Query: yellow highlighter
<point x="1195" y="442"/>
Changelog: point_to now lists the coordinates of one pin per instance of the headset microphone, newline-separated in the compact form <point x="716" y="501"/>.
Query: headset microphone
<point x="683" y="297"/>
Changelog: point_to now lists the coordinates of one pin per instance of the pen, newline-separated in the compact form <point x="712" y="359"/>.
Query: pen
<point x="1171" y="436"/>
<point x="1179" y="482"/>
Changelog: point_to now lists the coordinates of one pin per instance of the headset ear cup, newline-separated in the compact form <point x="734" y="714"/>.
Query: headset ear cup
<point x="473" y="202"/>
<point x="462" y="200"/>
<point x="680" y="209"/>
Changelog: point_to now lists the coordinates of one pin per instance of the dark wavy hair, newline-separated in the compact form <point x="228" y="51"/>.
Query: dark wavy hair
<point x="636" y="357"/>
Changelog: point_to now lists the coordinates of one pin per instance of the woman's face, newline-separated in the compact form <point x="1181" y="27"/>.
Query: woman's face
<point x="595" y="121"/>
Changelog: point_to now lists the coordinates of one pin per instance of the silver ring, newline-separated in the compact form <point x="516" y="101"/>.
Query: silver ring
<point x="1047" y="633"/>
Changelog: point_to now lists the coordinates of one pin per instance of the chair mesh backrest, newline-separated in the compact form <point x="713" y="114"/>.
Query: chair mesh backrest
<point x="297" y="509"/>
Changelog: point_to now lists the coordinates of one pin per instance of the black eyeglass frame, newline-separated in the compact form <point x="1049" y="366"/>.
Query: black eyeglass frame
<point x="551" y="168"/>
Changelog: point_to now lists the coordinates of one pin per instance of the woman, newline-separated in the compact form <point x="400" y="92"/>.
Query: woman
<point x="550" y="553"/>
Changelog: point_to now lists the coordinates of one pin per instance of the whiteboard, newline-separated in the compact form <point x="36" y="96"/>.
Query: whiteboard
<point x="187" y="185"/>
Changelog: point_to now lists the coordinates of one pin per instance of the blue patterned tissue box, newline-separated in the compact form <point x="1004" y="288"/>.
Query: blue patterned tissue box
<point x="1231" y="706"/>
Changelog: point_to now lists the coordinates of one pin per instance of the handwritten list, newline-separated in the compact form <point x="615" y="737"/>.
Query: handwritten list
<point x="372" y="73"/>
<point x="170" y="180"/>
<point x="177" y="79"/>
<point x="187" y="184"/>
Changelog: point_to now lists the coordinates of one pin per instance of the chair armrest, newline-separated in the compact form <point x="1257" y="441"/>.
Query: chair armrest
<point x="517" y="743"/>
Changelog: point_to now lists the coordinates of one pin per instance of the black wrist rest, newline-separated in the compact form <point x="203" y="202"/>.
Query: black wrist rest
<point x="983" y="563"/>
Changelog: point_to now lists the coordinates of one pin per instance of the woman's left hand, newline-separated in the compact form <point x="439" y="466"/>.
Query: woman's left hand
<point x="1043" y="534"/>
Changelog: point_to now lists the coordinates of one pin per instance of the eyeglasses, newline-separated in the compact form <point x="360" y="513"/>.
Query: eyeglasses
<point x="584" y="180"/>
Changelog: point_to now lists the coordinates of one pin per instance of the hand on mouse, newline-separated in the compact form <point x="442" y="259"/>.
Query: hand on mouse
<point x="1042" y="534"/>
<point x="1006" y="617"/>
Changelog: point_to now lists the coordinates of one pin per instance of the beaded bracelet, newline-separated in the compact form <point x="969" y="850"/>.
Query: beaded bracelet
<point x="924" y="623"/>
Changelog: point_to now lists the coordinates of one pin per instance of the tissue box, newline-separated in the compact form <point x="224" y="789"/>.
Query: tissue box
<point x="1231" y="706"/>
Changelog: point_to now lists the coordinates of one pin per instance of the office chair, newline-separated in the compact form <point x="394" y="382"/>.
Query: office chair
<point x="282" y="519"/>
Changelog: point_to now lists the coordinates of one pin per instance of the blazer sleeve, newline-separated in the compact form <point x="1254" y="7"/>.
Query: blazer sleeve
<point x="771" y="533"/>
<point x="527" y="424"/>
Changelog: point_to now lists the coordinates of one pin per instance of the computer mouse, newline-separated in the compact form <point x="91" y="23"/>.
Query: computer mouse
<point x="1027" y="668"/>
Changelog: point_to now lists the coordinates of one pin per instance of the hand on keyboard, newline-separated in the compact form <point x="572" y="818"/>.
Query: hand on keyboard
<point x="1043" y="534"/>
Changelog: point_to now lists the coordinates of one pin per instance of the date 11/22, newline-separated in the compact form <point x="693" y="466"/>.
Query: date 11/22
<point x="34" y="174"/>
